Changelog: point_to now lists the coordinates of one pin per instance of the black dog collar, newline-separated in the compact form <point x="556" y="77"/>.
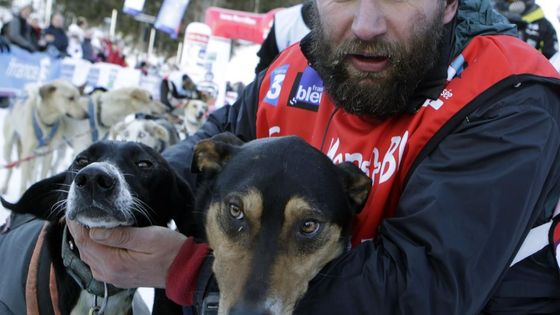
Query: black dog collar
<point x="79" y="271"/>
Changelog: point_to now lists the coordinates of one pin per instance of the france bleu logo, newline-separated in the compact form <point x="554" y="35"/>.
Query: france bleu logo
<point x="276" y="80"/>
<point x="307" y="90"/>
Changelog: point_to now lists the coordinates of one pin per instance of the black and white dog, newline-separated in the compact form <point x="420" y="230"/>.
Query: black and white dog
<point x="109" y="184"/>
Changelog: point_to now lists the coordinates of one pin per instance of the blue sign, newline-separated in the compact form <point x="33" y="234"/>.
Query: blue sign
<point x="19" y="68"/>
<point x="307" y="90"/>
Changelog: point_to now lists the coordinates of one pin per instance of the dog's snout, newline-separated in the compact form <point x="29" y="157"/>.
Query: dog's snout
<point x="244" y="309"/>
<point x="95" y="179"/>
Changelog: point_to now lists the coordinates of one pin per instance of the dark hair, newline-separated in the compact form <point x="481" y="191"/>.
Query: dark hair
<point x="81" y="21"/>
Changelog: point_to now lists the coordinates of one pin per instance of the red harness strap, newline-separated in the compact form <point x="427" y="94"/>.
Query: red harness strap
<point x="54" y="290"/>
<point x="32" y="296"/>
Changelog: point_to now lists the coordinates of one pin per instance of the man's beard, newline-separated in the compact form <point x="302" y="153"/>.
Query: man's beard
<point x="377" y="95"/>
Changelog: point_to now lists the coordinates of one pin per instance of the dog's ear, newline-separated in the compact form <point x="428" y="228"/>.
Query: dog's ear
<point x="356" y="183"/>
<point x="160" y="132"/>
<point x="182" y="204"/>
<point x="140" y="95"/>
<point x="46" y="90"/>
<point x="43" y="199"/>
<point x="210" y="155"/>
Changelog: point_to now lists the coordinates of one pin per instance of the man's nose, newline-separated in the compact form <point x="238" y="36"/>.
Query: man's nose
<point x="369" y="20"/>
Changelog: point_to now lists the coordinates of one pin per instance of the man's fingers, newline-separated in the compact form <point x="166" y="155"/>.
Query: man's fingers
<point x="131" y="238"/>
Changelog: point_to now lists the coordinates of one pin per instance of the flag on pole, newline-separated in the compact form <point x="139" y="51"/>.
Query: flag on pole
<point x="133" y="7"/>
<point x="170" y="16"/>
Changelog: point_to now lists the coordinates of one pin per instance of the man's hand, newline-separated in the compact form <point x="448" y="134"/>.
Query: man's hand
<point x="128" y="257"/>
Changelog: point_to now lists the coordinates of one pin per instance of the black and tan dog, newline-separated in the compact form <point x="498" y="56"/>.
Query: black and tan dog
<point x="109" y="184"/>
<point x="277" y="211"/>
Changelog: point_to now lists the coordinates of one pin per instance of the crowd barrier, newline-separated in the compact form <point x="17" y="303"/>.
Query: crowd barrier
<point x="19" y="68"/>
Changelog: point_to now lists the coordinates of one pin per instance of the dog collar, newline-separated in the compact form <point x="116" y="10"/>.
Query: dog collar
<point x="79" y="271"/>
<point x="39" y="132"/>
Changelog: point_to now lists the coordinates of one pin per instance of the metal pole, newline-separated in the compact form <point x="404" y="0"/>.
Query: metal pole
<point x="113" y="26"/>
<point x="179" y="52"/>
<point x="151" y="43"/>
<point x="48" y="12"/>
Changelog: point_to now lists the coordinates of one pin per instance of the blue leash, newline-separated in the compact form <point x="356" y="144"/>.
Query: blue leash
<point x="39" y="132"/>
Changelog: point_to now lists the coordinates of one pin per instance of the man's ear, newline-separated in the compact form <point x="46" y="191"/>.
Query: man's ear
<point x="450" y="10"/>
<point x="210" y="155"/>
<point x="44" y="199"/>
<point x="356" y="183"/>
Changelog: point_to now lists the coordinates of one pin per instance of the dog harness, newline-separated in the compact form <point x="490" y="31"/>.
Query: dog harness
<point x="39" y="131"/>
<point x="292" y="101"/>
<point x="24" y="235"/>
<point x="94" y="120"/>
<point x="80" y="272"/>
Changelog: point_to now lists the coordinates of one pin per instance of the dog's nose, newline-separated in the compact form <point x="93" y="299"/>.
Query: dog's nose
<point x="94" y="179"/>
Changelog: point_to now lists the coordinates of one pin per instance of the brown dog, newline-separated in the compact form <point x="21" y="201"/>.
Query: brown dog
<point x="276" y="212"/>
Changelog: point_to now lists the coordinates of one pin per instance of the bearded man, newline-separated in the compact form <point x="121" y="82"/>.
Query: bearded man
<point x="453" y="118"/>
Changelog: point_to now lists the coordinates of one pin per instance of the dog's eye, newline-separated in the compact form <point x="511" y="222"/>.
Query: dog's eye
<point x="144" y="164"/>
<point x="141" y="135"/>
<point x="82" y="161"/>
<point x="309" y="227"/>
<point x="236" y="211"/>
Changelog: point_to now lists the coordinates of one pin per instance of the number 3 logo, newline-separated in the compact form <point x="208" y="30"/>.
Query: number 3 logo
<point x="276" y="80"/>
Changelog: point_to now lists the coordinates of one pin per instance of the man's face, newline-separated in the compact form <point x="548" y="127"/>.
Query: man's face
<point x="58" y="21"/>
<point x="373" y="53"/>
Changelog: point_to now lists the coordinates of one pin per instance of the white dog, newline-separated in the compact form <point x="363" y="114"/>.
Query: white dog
<point x="108" y="108"/>
<point x="196" y="113"/>
<point x="36" y="126"/>
<point x="156" y="133"/>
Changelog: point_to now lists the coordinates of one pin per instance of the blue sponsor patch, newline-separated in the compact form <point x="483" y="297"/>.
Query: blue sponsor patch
<point x="307" y="90"/>
<point x="276" y="80"/>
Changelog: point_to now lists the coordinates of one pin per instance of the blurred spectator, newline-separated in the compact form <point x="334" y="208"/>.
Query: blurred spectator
<point x="144" y="67"/>
<point x="18" y="30"/>
<point x="87" y="46"/>
<point x="555" y="60"/>
<point x="97" y="42"/>
<point x="290" y="26"/>
<point x="55" y="35"/>
<point x="177" y="88"/>
<point x="531" y="23"/>
<point x="4" y="45"/>
<point x="37" y="32"/>
<point x="75" y="37"/>
<point x="115" y="53"/>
